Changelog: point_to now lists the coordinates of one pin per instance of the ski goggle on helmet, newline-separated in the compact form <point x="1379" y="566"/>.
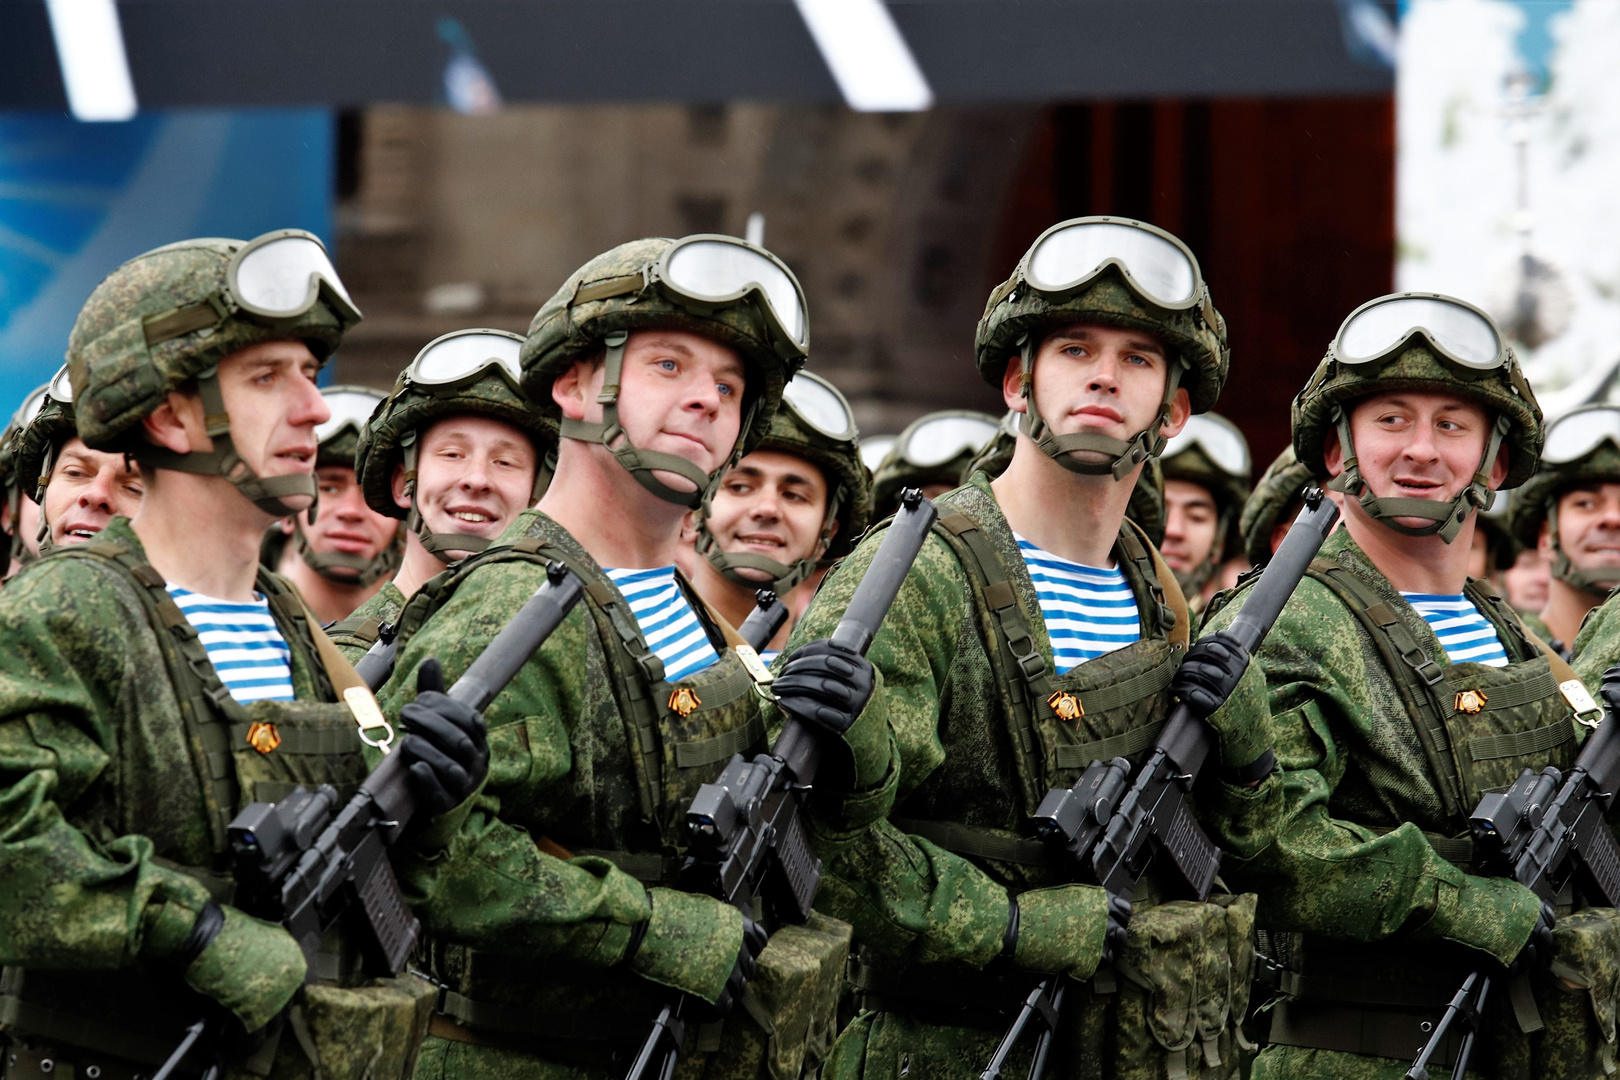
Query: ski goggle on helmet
<point x="1459" y="333"/>
<point x="464" y="356"/>
<point x="820" y="408"/>
<point x="1576" y="434"/>
<point x="282" y="274"/>
<point x="874" y="448"/>
<point x="350" y="409"/>
<point x="718" y="271"/>
<point x="942" y="437"/>
<point x="1219" y="440"/>
<point x="1158" y="267"/>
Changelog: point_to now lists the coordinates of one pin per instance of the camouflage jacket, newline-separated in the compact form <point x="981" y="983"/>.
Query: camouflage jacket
<point x="354" y="635"/>
<point x="887" y="867"/>
<point x="1347" y="847"/>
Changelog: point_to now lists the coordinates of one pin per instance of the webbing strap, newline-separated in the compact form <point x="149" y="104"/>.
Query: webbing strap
<point x="317" y="741"/>
<point x="1513" y="695"/>
<point x="1079" y="755"/>
<point x="1519" y="743"/>
<point x="1456" y="850"/>
<point x="367" y="630"/>
<point x="974" y="841"/>
<point x="1367" y="1032"/>
<point x="604" y="1026"/>
<point x="692" y="755"/>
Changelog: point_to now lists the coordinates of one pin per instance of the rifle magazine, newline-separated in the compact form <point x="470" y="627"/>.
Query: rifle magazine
<point x="391" y="929"/>
<point x="1194" y="855"/>
<point x="1599" y="855"/>
<point x="799" y="871"/>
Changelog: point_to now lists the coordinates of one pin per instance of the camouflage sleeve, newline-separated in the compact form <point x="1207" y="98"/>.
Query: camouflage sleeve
<point x="384" y="606"/>
<point x="1315" y="871"/>
<point x="490" y="884"/>
<point x="75" y="895"/>
<point x="899" y="891"/>
<point x="1597" y="646"/>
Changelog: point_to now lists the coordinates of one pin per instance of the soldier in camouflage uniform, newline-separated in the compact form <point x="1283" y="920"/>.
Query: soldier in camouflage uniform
<point x="932" y="453"/>
<point x="791" y="507"/>
<point x="19" y="516"/>
<point x="1206" y="480"/>
<point x="998" y="687"/>
<point x="457" y="451"/>
<point x="1401" y="691"/>
<point x="78" y="490"/>
<point x="557" y="932"/>
<point x="347" y="554"/>
<point x="1570" y="511"/>
<point x="124" y="750"/>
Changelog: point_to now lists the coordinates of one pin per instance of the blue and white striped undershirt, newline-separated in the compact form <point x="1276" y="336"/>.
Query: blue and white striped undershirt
<point x="1088" y="610"/>
<point x="243" y="642"/>
<point x="1463" y="632"/>
<point x="667" y="621"/>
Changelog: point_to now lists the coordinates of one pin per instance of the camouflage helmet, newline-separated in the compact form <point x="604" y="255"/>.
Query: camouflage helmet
<point x="1582" y="448"/>
<point x="16" y="548"/>
<point x="719" y="287"/>
<point x="170" y="316"/>
<point x="1212" y="453"/>
<point x="994" y="457"/>
<point x="1116" y="272"/>
<point x="815" y="423"/>
<point x="1423" y="342"/>
<point x="39" y="440"/>
<point x="467" y="371"/>
<point x="933" y="449"/>
<point x="1501" y="549"/>
<point x="1281" y="486"/>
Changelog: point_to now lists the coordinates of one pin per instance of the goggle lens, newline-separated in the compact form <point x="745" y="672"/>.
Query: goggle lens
<point x="1223" y="445"/>
<point x="350" y="408"/>
<point x="1156" y="266"/>
<point x="31" y="406"/>
<point x="459" y="357"/>
<point x="716" y="271"/>
<point x="935" y="442"/>
<point x="60" y="389"/>
<point x="820" y="406"/>
<point x="1577" y="434"/>
<point x="875" y="449"/>
<point x="282" y="277"/>
<point x="1466" y="336"/>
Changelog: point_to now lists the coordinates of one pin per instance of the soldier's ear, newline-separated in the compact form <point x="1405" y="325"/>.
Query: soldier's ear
<point x="396" y="487"/>
<point x="1544" y="546"/>
<point x="1012" y="385"/>
<point x="1333" y="453"/>
<point x="575" y="387"/>
<point x="1499" y="469"/>
<point x="177" y="424"/>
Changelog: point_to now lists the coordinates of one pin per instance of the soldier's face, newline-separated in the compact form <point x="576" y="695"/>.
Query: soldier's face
<point x="344" y="523"/>
<point x="1101" y="379"/>
<point x="1191" y="519"/>
<point x="87" y="489"/>
<point x="1588" y="527"/>
<point x="274" y="406"/>
<point x="474" y="475"/>
<point x="771" y="504"/>
<point x="1417" y="446"/>
<point x="680" y="393"/>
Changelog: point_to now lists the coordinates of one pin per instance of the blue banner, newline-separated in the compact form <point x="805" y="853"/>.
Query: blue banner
<point x="77" y="200"/>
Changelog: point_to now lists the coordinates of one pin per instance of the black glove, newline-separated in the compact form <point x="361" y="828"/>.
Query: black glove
<point x="1610" y="690"/>
<point x="753" y="943"/>
<point x="1119" y="915"/>
<point x="825" y="685"/>
<point x="1210" y="672"/>
<point x="1538" y="951"/>
<point x="445" y="744"/>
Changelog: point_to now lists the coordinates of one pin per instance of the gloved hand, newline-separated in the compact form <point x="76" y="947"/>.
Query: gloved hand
<point x="446" y="745"/>
<point x="1069" y="928"/>
<point x="1537" y="953"/>
<point x="251" y="968"/>
<point x="1210" y="673"/>
<point x="1610" y="690"/>
<point x="828" y="688"/>
<point x="698" y="945"/>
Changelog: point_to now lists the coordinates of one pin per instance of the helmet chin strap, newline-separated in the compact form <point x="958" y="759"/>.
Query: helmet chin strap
<point x="1123" y="456"/>
<point x="1445" y="518"/>
<point x="266" y="492"/>
<point x="782" y="576"/>
<point x="641" y="463"/>
<point x="440" y="545"/>
<point x="364" y="571"/>
<point x="1597" y="581"/>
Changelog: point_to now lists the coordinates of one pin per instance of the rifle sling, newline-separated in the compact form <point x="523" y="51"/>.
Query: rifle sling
<point x="975" y="841"/>
<point x="1366" y="1032"/>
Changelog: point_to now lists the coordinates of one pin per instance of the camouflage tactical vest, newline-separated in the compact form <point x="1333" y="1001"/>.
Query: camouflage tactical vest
<point x="138" y="1015"/>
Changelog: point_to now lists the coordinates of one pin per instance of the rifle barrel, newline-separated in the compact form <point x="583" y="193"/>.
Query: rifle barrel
<point x="764" y="621"/>
<point x="876" y="592"/>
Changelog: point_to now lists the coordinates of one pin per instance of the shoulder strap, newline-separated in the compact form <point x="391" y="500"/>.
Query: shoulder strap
<point x="1173" y="615"/>
<point x="1414" y="672"/>
<point x="351" y="689"/>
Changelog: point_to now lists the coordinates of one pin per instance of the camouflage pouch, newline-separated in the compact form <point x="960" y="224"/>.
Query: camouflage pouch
<point x="1185" y="973"/>
<point x="793" y="997"/>
<point x="1577" y="1001"/>
<point x="370" y="1032"/>
<point x="279" y="745"/>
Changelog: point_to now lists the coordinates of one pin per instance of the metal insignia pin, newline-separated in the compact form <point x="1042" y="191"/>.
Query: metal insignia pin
<point x="1471" y="701"/>
<point x="1066" y="705"/>
<point x="263" y="737"/>
<point x="684" y="701"/>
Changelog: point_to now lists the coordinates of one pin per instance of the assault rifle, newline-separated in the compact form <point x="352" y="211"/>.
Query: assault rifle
<point x="310" y="859"/>
<point x="1546" y="830"/>
<point x="1110" y="831"/>
<point x="744" y="834"/>
<point x="378" y="663"/>
<point x="764" y="621"/>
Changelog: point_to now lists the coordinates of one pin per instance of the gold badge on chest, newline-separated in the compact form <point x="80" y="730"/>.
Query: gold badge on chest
<point x="263" y="737"/>
<point x="1471" y="701"/>
<point x="1066" y="705"/>
<point x="684" y="701"/>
